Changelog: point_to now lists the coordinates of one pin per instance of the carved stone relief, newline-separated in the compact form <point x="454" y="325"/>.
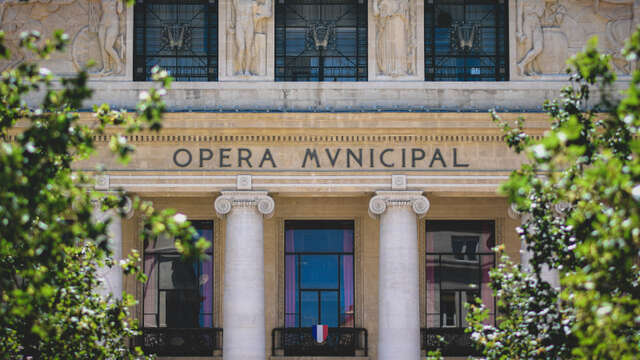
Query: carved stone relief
<point x="550" y="31"/>
<point x="248" y="31"/>
<point x="396" y="53"/>
<point x="96" y="28"/>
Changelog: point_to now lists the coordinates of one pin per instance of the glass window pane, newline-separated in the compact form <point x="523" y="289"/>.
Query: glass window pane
<point x="321" y="40"/>
<point x="319" y="272"/>
<point x="469" y="39"/>
<point x="178" y="293"/>
<point x="308" y="308"/>
<point x="319" y="262"/>
<point x="346" y="292"/>
<point x="329" y="308"/>
<point x="458" y="261"/>
<point x="180" y="36"/>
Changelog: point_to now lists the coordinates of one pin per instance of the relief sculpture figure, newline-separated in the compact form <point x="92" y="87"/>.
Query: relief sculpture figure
<point x="618" y="28"/>
<point x="530" y="34"/>
<point x="392" y="42"/>
<point x="247" y="23"/>
<point x="108" y="35"/>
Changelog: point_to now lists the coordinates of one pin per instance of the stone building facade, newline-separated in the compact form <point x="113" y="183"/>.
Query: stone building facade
<point x="337" y="153"/>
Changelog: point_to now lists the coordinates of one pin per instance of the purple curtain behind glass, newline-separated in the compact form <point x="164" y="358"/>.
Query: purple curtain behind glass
<point x="347" y="279"/>
<point x="290" y="281"/>
<point x="206" y="291"/>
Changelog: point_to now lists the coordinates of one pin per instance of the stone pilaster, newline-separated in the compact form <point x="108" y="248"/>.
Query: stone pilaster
<point x="399" y="299"/>
<point x="243" y="303"/>
<point x="111" y="277"/>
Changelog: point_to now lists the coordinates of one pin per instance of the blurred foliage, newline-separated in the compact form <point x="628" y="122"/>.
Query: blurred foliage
<point x="578" y="194"/>
<point x="51" y="246"/>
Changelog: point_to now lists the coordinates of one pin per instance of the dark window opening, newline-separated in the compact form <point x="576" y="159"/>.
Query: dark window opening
<point x="178" y="36"/>
<point x="177" y="301"/>
<point x="459" y="257"/>
<point x="466" y="40"/>
<point x="321" y="40"/>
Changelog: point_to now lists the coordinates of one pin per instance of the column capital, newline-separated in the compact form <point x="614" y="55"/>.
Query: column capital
<point x="383" y="199"/>
<point x="260" y="200"/>
<point x="127" y="209"/>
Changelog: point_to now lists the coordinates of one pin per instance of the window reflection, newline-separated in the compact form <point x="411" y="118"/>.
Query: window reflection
<point x="458" y="260"/>
<point x="178" y="294"/>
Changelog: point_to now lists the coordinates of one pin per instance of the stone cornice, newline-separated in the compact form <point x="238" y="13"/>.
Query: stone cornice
<point x="385" y="199"/>
<point x="259" y="200"/>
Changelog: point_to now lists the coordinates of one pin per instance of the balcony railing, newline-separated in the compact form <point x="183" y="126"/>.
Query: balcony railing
<point x="181" y="342"/>
<point x="455" y="341"/>
<point x="300" y="342"/>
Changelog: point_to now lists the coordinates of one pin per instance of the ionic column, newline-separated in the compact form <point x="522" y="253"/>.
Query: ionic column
<point x="243" y="303"/>
<point x="546" y="274"/>
<point x="111" y="277"/>
<point x="399" y="299"/>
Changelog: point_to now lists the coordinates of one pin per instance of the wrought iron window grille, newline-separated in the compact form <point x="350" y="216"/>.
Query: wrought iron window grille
<point x="181" y="342"/>
<point x="466" y="40"/>
<point x="300" y="342"/>
<point x="180" y="36"/>
<point x="321" y="40"/>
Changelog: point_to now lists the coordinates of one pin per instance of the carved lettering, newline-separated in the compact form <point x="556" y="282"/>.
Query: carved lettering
<point x="223" y="157"/>
<point x="334" y="158"/>
<point x="311" y="155"/>
<point x="437" y="156"/>
<point x="267" y="157"/>
<point x="415" y="157"/>
<point x="185" y="163"/>
<point x="357" y="159"/>
<point x="382" y="154"/>
<point x="246" y="157"/>
<point x="202" y="156"/>
<point x="455" y="159"/>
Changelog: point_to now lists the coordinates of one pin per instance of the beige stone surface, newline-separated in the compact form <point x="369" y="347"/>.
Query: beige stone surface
<point x="246" y="40"/>
<point x="396" y="40"/>
<point x="322" y="207"/>
<point x="97" y="31"/>
<point x="550" y="31"/>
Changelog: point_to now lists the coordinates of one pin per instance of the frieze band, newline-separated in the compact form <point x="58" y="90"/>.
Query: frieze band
<point x="245" y="158"/>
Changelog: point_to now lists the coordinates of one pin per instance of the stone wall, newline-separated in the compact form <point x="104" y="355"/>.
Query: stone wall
<point x="542" y="35"/>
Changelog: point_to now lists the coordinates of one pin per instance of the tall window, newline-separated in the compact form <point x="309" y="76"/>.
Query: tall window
<point x="319" y="273"/>
<point x="321" y="40"/>
<point x="458" y="259"/>
<point x="178" y="294"/>
<point x="180" y="36"/>
<point x="465" y="40"/>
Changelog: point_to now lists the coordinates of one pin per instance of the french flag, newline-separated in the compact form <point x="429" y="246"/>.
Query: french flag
<point x="320" y="333"/>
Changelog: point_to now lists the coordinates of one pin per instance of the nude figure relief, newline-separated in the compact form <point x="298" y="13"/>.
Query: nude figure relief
<point x="248" y="31"/>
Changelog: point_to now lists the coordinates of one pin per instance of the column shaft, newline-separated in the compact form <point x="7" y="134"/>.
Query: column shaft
<point x="244" y="324"/>
<point x="399" y="285"/>
<point x="243" y="314"/>
<point x="111" y="277"/>
<point x="399" y="301"/>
